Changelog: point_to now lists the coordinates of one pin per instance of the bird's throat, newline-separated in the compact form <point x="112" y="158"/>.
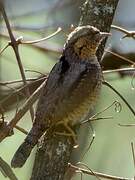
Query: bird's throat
<point x="84" y="49"/>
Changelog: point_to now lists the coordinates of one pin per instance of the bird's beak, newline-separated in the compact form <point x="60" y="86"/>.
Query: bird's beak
<point x="104" y="34"/>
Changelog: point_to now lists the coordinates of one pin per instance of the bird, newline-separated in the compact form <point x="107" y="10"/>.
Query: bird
<point x="71" y="91"/>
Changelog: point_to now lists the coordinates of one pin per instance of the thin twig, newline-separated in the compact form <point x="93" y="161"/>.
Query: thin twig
<point x="21" y="129"/>
<point x="83" y="164"/>
<point x="26" y="106"/>
<point x="90" y="144"/>
<point x="47" y="47"/>
<point x="20" y="81"/>
<point x="2" y="50"/>
<point x="14" y="45"/>
<point x="118" y="70"/>
<point x="17" y="91"/>
<point x="132" y="81"/>
<point x="21" y="112"/>
<point x="126" y="125"/>
<point x="40" y="40"/>
<point x="92" y="118"/>
<point x="17" y="127"/>
<point x="133" y="152"/>
<point x="125" y="101"/>
<point x="120" y="29"/>
<point x="101" y="175"/>
<point x="119" y="56"/>
<point x="101" y="118"/>
<point x="28" y="70"/>
<point x="8" y="172"/>
<point x="128" y="33"/>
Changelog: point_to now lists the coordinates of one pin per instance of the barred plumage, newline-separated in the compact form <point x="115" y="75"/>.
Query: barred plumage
<point x="71" y="90"/>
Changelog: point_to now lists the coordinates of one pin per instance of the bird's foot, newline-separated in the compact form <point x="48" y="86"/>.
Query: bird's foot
<point x="70" y="132"/>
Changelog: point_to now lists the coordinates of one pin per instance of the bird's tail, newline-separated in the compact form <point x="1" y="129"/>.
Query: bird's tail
<point x="26" y="147"/>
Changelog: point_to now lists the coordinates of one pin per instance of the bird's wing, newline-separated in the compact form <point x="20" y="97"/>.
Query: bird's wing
<point x="63" y="78"/>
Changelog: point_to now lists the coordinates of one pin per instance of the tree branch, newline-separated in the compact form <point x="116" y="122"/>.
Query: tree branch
<point x="7" y="128"/>
<point x="6" y="170"/>
<point x="14" y="45"/>
<point x="99" y="13"/>
<point x="97" y="174"/>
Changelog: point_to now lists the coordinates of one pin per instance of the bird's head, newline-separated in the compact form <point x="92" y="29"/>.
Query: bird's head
<point x="85" y="40"/>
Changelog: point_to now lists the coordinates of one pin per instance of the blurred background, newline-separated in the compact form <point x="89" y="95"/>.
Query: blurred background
<point x="111" y="151"/>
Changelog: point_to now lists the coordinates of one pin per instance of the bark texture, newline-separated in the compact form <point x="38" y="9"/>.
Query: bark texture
<point x="51" y="158"/>
<point x="99" y="13"/>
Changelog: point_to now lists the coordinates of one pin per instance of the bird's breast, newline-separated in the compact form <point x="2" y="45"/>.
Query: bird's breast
<point x="83" y="95"/>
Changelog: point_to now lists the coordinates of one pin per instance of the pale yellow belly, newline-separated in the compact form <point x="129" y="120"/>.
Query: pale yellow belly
<point x="81" y="111"/>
